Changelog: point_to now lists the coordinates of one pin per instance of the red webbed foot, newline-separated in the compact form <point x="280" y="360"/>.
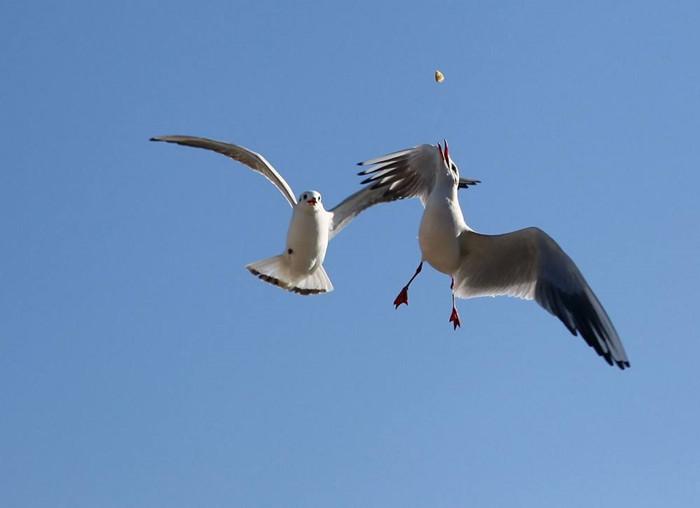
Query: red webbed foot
<point x="454" y="318"/>
<point x="402" y="298"/>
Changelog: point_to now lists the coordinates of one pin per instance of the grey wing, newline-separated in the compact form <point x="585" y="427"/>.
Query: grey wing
<point x="403" y="174"/>
<point x="397" y="175"/>
<point x="529" y="264"/>
<point x="353" y="205"/>
<point x="253" y="160"/>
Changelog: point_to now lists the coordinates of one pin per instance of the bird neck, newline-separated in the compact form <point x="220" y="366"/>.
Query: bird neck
<point x="444" y="202"/>
<point x="445" y="188"/>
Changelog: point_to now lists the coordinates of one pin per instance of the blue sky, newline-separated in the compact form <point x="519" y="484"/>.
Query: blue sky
<point x="141" y="365"/>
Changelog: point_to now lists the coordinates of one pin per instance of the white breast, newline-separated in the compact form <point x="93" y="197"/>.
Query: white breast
<point x="439" y="231"/>
<point x="307" y="240"/>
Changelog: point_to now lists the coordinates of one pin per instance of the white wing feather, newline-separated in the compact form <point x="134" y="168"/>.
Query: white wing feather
<point x="398" y="175"/>
<point x="403" y="174"/>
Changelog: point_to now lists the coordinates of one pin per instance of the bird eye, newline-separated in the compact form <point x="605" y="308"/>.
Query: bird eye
<point x="319" y="197"/>
<point x="303" y="197"/>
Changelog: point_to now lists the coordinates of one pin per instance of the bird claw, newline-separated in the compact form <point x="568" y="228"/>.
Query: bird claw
<point x="402" y="298"/>
<point x="454" y="319"/>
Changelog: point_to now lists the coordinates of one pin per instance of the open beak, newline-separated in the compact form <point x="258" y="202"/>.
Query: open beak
<point x="311" y="201"/>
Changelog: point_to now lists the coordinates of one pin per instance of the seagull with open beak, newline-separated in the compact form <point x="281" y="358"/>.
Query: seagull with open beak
<point x="526" y="264"/>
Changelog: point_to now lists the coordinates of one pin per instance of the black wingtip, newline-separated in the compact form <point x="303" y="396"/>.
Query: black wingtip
<point x="620" y="364"/>
<point x="467" y="185"/>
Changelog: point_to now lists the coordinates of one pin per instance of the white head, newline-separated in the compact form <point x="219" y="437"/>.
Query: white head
<point x="450" y="166"/>
<point x="310" y="200"/>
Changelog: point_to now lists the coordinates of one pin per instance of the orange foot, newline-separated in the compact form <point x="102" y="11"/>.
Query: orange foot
<point x="402" y="298"/>
<point x="454" y="318"/>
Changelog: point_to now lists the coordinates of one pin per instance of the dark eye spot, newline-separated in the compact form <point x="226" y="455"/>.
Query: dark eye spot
<point x="290" y="251"/>
<point x="303" y="197"/>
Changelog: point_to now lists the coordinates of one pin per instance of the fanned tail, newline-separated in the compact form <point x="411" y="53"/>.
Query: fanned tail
<point x="277" y="270"/>
<point x="314" y="284"/>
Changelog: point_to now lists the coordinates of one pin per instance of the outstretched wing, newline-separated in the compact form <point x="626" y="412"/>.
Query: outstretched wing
<point x="407" y="173"/>
<point x="398" y="175"/>
<point x="253" y="160"/>
<point x="403" y="174"/>
<point x="351" y="207"/>
<point x="529" y="264"/>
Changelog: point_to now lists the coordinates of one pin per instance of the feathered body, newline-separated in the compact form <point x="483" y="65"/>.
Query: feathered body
<point x="300" y="267"/>
<point x="526" y="264"/>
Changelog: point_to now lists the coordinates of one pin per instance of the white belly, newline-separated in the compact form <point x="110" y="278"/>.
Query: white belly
<point x="438" y="236"/>
<point x="307" y="241"/>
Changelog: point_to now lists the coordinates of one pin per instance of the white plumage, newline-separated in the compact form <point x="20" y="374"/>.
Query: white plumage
<point x="526" y="264"/>
<point x="300" y="267"/>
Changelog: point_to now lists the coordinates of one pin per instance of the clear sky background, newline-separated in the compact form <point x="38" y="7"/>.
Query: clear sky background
<point x="141" y="365"/>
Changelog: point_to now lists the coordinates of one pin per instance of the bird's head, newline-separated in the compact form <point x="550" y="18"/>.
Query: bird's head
<point x="450" y="167"/>
<point x="310" y="200"/>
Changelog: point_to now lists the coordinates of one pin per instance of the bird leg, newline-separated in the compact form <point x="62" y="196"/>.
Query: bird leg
<point x="403" y="295"/>
<point x="454" y="317"/>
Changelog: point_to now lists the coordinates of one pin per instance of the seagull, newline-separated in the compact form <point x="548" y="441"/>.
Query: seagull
<point x="299" y="268"/>
<point x="527" y="263"/>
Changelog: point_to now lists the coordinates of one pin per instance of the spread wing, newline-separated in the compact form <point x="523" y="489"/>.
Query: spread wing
<point x="351" y="207"/>
<point x="398" y="175"/>
<point x="407" y="173"/>
<point x="529" y="264"/>
<point x="403" y="174"/>
<point x="253" y="160"/>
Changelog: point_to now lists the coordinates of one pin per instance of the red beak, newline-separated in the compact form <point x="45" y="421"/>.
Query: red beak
<point x="311" y="201"/>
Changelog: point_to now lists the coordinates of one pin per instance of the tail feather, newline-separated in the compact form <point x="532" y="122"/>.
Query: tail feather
<point x="277" y="271"/>
<point x="317" y="282"/>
